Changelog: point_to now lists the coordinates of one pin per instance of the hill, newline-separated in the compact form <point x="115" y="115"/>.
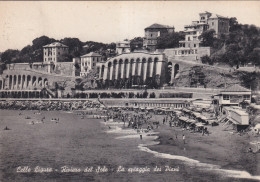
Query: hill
<point x="213" y="77"/>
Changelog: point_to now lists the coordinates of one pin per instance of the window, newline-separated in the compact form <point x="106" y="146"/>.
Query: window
<point x="194" y="45"/>
<point x="225" y="97"/>
<point x="246" y="97"/>
<point x="212" y="23"/>
<point x="93" y="64"/>
<point x="59" y="53"/>
<point x="188" y="38"/>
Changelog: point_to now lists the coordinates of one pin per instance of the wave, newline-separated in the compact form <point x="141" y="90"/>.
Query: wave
<point x="196" y="163"/>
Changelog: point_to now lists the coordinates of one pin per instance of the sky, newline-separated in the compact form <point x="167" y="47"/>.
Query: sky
<point x="107" y="21"/>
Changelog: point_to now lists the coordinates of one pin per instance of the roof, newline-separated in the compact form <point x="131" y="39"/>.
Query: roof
<point x="91" y="54"/>
<point x="236" y="88"/>
<point x="123" y="42"/>
<point x="156" y="25"/>
<point x="217" y="16"/>
<point x="55" y="44"/>
<point x="205" y="12"/>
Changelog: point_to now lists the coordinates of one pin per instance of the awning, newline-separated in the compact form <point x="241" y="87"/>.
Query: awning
<point x="191" y="121"/>
<point x="199" y="124"/>
<point x="183" y="118"/>
<point x="196" y="114"/>
<point x="203" y="118"/>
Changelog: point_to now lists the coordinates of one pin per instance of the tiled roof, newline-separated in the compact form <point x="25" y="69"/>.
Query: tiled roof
<point x="91" y="54"/>
<point x="55" y="44"/>
<point x="236" y="88"/>
<point x="156" y="25"/>
<point x="217" y="16"/>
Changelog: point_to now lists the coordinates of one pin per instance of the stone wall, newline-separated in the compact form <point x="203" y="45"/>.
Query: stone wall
<point x="65" y="68"/>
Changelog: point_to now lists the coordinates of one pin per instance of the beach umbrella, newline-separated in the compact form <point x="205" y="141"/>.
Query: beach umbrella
<point x="257" y="126"/>
<point x="199" y="124"/>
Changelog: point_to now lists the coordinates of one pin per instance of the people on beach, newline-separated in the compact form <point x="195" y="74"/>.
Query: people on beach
<point x="183" y="138"/>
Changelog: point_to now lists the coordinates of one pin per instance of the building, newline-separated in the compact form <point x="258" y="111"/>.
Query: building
<point x="153" y="32"/>
<point x="233" y="95"/>
<point x="207" y="21"/>
<point x="218" y="23"/>
<point x="190" y="48"/>
<point x="53" y="52"/>
<point x="123" y="47"/>
<point x="24" y="80"/>
<point x="135" y="67"/>
<point x="88" y="62"/>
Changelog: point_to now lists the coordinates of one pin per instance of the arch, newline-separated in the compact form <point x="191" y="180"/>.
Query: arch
<point x="176" y="70"/>
<point x="23" y="80"/>
<point x="169" y="72"/>
<point x="28" y="80"/>
<point x="34" y="81"/>
<point x="131" y="71"/>
<point x="40" y="81"/>
<point x="137" y="66"/>
<point x="143" y="69"/>
<point x="126" y="68"/>
<point x="149" y="67"/>
<point x="19" y="81"/>
<point x="155" y="65"/>
<point x="109" y="70"/>
<point x="15" y="81"/>
<point x="102" y="71"/>
<point x="45" y="82"/>
<point x="10" y="81"/>
<point x="120" y="68"/>
<point x="114" y="69"/>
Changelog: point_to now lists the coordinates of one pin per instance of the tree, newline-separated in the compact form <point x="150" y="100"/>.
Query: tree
<point x="170" y="40"/>
<point x="136" y="43"/>
<point x="207" y="38"/>
<point x="74" y="44"/>
<point x="39" y="42"/>
<point x="206" y="60"/>
<point x="9" y="55"/>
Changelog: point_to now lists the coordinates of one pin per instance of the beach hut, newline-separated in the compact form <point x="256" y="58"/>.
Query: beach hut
<point x="257" y="129"/>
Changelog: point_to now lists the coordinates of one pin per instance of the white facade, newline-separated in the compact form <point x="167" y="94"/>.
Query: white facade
<point x="54" y="51"/>
<point x="123" y="47"/>
<point x="89" y="62"/>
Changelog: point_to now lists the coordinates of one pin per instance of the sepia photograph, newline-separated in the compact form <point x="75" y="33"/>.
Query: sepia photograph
<point x="136" y="91"/>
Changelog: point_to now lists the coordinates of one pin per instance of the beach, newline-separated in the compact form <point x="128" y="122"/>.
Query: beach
<point x="73" y="144"/>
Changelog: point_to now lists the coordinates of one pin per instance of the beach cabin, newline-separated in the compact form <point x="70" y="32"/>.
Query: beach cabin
<point x="238" y="117"/>
<point x="234" y="95"/>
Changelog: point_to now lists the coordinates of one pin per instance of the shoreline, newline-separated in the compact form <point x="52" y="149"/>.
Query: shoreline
<point x="160" y="146"/>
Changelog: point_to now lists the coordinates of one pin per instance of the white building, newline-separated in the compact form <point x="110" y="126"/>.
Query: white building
<point x="53" y="52"/>
<point x="89" y="61"/>
<point x="123" y="47"/>
<point x="234" y="95"/>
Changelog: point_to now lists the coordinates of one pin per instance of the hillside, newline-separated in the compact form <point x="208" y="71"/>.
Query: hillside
<point x="211" y="77"/>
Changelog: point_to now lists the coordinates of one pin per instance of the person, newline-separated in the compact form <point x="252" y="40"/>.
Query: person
<point x="183" y="137"/>
<point x="141" y="136"/>
<point x="250" y="150"/>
